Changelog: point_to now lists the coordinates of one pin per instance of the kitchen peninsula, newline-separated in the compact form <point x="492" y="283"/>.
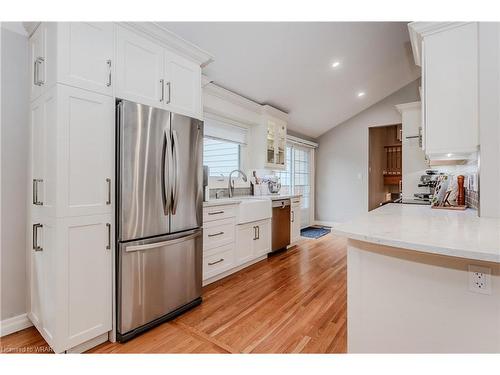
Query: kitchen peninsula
<point x="413" y="281"/>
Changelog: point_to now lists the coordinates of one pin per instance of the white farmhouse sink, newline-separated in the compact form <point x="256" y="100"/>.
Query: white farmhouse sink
<point x="252" y="209"/>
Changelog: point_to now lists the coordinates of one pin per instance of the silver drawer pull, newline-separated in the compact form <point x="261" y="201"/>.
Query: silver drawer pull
<point x="36" y="247"/>
<point x="108" y="246"/>
<point x="108" y="181"/>
<point x="216" y="212"/>
<point x="35" y="192"/>
<point x="215" y="234"/>
<point x="108" y="63"/>
<point x="218" y="261"/>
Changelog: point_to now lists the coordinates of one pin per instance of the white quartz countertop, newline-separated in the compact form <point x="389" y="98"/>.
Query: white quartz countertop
<point x="453" y="233"/>
<point x="238" y="199"/>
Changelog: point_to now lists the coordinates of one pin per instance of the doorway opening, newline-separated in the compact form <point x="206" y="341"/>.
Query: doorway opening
<point x="385" y="160"/>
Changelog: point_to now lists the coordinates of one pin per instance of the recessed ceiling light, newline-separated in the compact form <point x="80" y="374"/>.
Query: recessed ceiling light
<point x="361" y="94"/>
<point x="336" y="64"/>
<point x="449" y="155"/>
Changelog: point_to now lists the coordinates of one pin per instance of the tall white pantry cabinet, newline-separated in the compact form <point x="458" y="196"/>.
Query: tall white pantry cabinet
<point x="72" y="173"/>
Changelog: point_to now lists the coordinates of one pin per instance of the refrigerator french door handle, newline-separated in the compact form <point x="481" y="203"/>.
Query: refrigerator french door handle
<point x="165" y="173"/>
<point x="155" y="245"/>
<point x="175" y="148"/>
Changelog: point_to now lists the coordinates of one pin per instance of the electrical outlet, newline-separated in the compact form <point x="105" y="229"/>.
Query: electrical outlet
<point x="479" y="279"/>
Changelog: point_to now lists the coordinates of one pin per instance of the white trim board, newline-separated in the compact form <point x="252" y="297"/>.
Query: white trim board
<point x="14" y="324"/>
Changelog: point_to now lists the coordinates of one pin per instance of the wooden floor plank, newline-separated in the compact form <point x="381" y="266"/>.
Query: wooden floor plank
<point x="292" y="302"/>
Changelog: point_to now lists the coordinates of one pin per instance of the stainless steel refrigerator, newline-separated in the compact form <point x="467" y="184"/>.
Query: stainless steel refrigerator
<point x="159" y="216"/>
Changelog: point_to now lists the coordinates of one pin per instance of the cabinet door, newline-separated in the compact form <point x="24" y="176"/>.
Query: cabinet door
<point x="87" y="242"/>
<point x="262" y="242"/>
<point x="139" y="69"/>
<point x="451" y="91"/>
<point x="86" y="144"/>
<point x="85" y="51"/>
<point x="295" y="218"/>
<point x="43" y="256"/>
<point x="182" y="85"/>
<point x="43" y="124"/>
<point x="245" y="236"/>
<point x="37" y="61"/>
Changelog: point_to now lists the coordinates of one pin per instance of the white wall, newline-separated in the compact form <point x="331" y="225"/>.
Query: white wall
<point x="14" y="152"/>
<point x="342" y="158"/>
<point x="489" y="118"/>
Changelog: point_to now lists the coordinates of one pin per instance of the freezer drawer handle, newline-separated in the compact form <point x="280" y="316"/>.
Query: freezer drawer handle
<point x="35" y="237"/>
<point x="156" y="245"/>
<point x="216" y="234"/>
<point x="216" y="212"/>
<point x="218" y="261"/>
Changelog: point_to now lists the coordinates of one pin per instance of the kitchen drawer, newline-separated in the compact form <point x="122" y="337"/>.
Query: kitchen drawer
<point x="218" y="212"/>
<point x="218" y="262"/>
<point x="218" y="233"/>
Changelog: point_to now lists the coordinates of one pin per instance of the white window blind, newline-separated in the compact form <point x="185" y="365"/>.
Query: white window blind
<point x="218" y="128"/>
<point x="222" y="144"/>
<point x="221" y="156"/>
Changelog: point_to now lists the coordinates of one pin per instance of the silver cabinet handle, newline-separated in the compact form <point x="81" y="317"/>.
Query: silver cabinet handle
<point x="108" y="63"/>
<point x="254" y="233"/>
<point x="169" y="91"/>
<point x="37" y="81"/>
<point x="216" y="234"/>
<point x="258" y="232"/>
<point x="216" y="212"/>
<point x="35" y="192"/>
<point x="175" y="148"/>
<point x="35" y="72"/>
<point x="36" y="247"/>
<point x="293" y="216"/>
<point x="218" y="261"/>
<point x="162" y="89"/>
<point x="108" y="181"/>
<point x="108" y="226"/>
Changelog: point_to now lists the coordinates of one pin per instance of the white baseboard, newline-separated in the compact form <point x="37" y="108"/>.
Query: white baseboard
<point x="325" y="223"/>
<point x="14" y="324"/>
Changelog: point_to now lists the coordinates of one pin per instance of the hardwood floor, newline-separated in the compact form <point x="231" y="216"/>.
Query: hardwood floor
<point x="292" y="302"/>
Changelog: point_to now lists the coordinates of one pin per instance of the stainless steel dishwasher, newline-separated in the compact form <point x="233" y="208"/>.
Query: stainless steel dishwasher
<point x="280" y="224"/>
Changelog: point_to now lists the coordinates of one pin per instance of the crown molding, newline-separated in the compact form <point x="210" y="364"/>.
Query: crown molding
<point x="220" y="92"/>
<point x="271" y="111"/>
<point x="171" y="40"/>
<point x="405" y="106"/>
<point x="419" y="30"/>
<point x="30" y="27"/>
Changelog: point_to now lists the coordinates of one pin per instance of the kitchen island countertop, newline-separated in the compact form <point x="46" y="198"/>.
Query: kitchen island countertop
<point x="452" y="233"/>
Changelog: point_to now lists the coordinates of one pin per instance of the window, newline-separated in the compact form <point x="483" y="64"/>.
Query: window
<point x="296" y="179"/>
<point x="221" y="156"/>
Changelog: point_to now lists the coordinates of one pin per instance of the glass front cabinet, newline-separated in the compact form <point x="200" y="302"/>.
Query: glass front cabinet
<point x="275" y="142"/>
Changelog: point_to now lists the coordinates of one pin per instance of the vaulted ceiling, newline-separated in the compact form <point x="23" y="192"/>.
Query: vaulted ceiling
<point x="289" y="65"/>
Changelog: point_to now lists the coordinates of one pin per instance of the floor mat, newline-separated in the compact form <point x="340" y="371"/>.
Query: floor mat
<point x="315" y="231"/>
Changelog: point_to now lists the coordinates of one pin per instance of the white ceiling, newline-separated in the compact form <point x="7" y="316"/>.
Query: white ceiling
<point x="288" y="65"/>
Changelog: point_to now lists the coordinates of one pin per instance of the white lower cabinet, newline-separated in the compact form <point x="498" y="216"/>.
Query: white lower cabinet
<point x="253" y="240"/>
<point x="295" y="220"/>
<point x="228" y="247"/>
<point x="71" y="279"/>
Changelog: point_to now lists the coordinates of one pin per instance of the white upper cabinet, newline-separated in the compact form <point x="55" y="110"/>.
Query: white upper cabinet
<point x="448" y="53"/>
<point x="85" y="55"/>
<point x="42" y="59"/>
<point x="182" y="85"/>
<point x="139" y="68"/>
<point x="269" y="140"/>
<point x="149" y="73"/>
<point x="86" y="156"/>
